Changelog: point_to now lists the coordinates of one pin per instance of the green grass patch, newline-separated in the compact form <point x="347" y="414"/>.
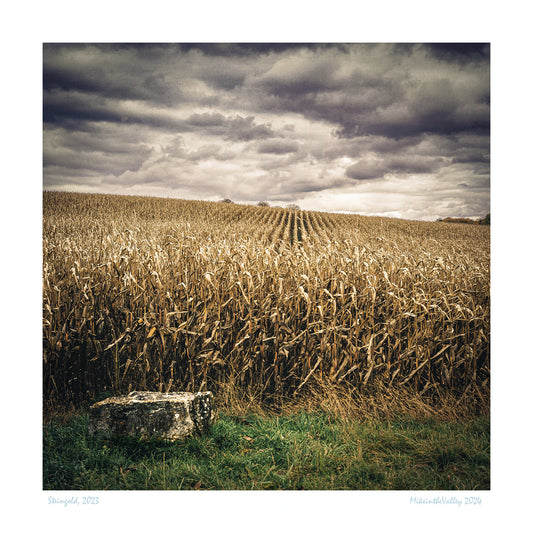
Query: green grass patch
<point x="304" y="451"/>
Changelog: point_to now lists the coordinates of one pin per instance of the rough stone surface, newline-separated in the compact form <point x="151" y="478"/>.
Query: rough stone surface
<point x="170" y="416"/>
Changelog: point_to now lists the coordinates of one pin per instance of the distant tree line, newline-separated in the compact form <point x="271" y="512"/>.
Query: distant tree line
<point x="485" y="221"/>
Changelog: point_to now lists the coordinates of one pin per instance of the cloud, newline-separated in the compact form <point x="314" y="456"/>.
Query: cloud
<point x="390" y="90"/>
<point x="289" y="122"/>
<point x="208" y="120"/>
<point x="300" y="72"/>
<point x="379" y="90"/>
<point x="236" y="128"/>
<point x="70" y="108"/>
<point x="463" y="53"/>
<point x="112" y="71"/>
<point x="403" y="197"/>
<point x="367" y="169"/>
<point x="209" y="151"/>
<point x="93" y="152"/>
<point x="277" y="146"/>
<point x="245" y="129"/>
<point x="471" y="158"/>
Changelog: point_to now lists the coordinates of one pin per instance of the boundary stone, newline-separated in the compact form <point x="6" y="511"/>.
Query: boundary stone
<point x="169" y="416"/>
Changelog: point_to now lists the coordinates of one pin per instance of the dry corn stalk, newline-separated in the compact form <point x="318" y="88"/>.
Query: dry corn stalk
<point x="182" y="295"/>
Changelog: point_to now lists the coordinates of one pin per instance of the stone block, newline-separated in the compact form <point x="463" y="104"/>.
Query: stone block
<point x="169" y="416"/>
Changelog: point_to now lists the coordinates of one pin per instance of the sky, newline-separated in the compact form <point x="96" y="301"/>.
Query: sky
<point x="399" y="130"/>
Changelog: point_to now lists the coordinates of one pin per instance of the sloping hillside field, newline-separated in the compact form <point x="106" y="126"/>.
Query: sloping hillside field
<point x="259" y="302"/>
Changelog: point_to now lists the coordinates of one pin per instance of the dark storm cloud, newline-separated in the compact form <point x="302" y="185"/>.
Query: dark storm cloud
<point x="106" y="138"/>
<point x="423" y="154"/>
<point x="369" y="144"/>
<point x="70" y="108"/>
<point x="364" y="98"/>
<point x="460" y="52"/>
<point x="73" y="107"/>
<point x="472" y="158"/>
<point x="206" y="120"/>
<point x="99" y="148"/>
<point x="371" y="169"/>
<point x="235" y="118"/>
<point x="277" y="146"/>
<point x="92" y="161"/>
<point x="415" y="165"/>
<point x="250" y="49"/>
<point x="233" y="128"/>
<point x="245" y="129"/>
<point x="433" y="108"/>
<point x="111" y="71"/>
<point x="366" y="170"/>
<point x="221" y="78"/>
<point x="338" y="84"/>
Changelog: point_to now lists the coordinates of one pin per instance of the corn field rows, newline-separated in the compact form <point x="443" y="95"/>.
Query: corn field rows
<point x="161" y="294"/>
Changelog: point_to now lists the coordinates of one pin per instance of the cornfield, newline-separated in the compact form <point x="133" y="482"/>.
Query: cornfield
<point x="164" y="294"/>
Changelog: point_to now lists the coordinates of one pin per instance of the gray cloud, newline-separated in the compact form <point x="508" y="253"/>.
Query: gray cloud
<point x="208" y="120"/>
<point x="245" y="129"/>
<point x="291" y="120"/>
<point x="472" y="158"/>
<point x="71" y="108"/>
<point x="207" y="152"/>
<point x="97" y="151"/>
<point x="277" y="146"/>
<point x="236" y="128"/>
<point x="366" y="170"/>
<point x="374" y="90"/>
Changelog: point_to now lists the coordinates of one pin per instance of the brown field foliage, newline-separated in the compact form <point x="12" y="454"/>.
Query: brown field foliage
<point x="267" y="303"/>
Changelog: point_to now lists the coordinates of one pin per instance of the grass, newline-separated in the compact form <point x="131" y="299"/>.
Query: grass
<point x="299" y="451"/>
